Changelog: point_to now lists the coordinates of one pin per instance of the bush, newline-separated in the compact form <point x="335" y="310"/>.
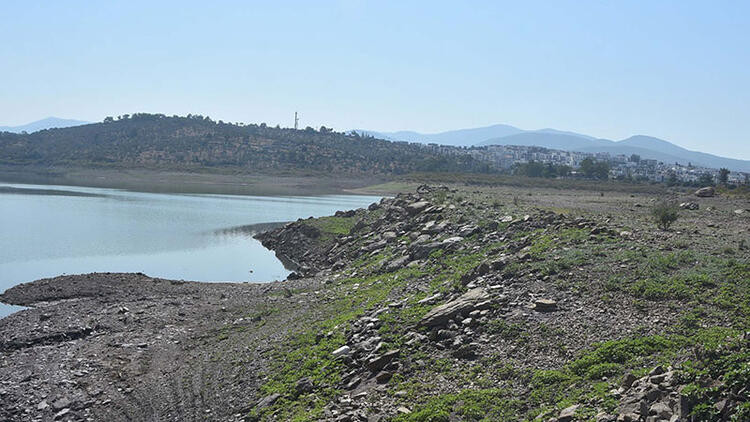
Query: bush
<point x="665" y="213"/>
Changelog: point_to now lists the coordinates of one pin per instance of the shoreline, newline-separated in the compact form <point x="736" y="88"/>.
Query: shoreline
<point x="185" y="182"/>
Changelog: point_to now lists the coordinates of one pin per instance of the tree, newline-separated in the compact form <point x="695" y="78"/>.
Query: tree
<point x="706" y="180"/>
<point x="672" y="179"/>
<point x="723" y="176"/>
<point x="594" y="169"/>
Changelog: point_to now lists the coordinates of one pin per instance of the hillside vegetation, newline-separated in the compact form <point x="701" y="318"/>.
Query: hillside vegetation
<point x="155" y="141"/>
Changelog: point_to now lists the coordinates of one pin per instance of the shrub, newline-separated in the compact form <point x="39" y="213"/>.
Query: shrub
<point x="665" y="213"/>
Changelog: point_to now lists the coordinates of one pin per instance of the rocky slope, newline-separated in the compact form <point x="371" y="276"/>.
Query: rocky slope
<point x="442" y="304"/>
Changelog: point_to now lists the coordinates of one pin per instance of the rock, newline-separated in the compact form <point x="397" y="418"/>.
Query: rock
<point x="706" y="192"/>
<point x="397" y="263"/>
<point x="403" y="410"/>
<point x="304" y="385"/>
<point x="351" y="385"/>
<point x="42" y="405"/>
<point x="628" y="380"/>
<point x="416" y="207"/>
<point x="424" y="250"/>
<point x="341" y="351"/>
<point x="267" y="401"/>
<point x="660" y="410"/>
<point x="464" y="304"/>
<point x="61" y="414"/>
<point x="739" y="211"/>
<point x="383" y="377"/>
<point x="507" y="219"/>
<point x="545" y="305"/>
<point x="61" y="403"/>
<point x="689" y="205"/>
<point x="377" y="363"/>
<point x="568" y="414"/>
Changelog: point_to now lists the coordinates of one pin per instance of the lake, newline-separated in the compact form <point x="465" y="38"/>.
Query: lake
<point x="46" y="231"/>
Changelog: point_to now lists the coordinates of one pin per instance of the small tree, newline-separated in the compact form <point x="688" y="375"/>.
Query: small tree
<point x="723" y="176"/>
<point x="665" y="213"/>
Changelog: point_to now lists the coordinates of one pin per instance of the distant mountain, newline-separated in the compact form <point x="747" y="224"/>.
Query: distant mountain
<point x="645" y="146"/>
<point x="48" y="123"/>
<point x="459" y="138"/>
<point x="155" y="141"/>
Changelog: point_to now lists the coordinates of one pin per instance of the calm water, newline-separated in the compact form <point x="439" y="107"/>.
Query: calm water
<point x="47" y="231"/>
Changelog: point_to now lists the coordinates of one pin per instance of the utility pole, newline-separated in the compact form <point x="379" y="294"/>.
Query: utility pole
<point x="296" y="121"/>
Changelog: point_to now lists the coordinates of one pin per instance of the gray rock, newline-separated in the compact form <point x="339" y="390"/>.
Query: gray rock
<point x="267" y="401"/>
<point x="545" y="305"/>
<point x="304" y="385"/>
<point x="464" y="304"/>
<point x="377" y="363"/>
<point x="568" y="414"/>
<point x="341" y="351"/>
<point x="660" y="410"/>
<point x="706" y="192"/>
<point x="416" y="207"/>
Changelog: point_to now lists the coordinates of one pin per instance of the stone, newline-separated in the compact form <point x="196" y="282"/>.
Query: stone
<point x="61" y="403"/>
<point x="267" y="401"/>
<point x="465" y="303"/>
<point x="706" y="192"/>
<point x="545" y="305"/>
<point x="42" y="405"/>
<point x="383" y="377"/>
<point x="304" y="385"/>
<point x="568" y="414"/>
<point x="689" y="206"/>
<point x="377" y="363"/>
<point x="61" y="414"/>
<point x="403" y="410"/>
<point x="397" y="263"/>
<point x="628" y="380"/>
<point x="342" y="351"/>
<point x="660" y="410"/>
<point x="416" y="207"/>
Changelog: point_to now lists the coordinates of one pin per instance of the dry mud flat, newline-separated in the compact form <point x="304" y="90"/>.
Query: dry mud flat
<point x="115" y="347"/>
<point x="427" y="306"/>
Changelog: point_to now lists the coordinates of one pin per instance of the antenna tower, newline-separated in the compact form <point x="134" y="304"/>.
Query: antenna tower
<point x="296" y="121"/>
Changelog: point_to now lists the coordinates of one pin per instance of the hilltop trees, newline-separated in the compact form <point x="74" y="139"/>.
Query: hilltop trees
<point x="156" y="141"/>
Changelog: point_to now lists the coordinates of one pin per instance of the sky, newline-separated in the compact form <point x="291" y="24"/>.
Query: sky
<point x="677" y="70"/>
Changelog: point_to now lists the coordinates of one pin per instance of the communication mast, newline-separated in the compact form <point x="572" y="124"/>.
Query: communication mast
<point x="296" y="121"/>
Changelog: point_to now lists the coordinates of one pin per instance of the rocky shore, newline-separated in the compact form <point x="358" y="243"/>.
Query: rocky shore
<point x="440" y="304"/>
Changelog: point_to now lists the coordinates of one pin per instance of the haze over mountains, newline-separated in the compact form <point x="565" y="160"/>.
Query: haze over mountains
<point x="47" y="123"/>
<point x="645" y="146"/>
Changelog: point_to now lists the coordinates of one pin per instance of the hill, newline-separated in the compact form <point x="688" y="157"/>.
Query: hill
<point x="48" y="123"/>
<point x="154" y="141"/>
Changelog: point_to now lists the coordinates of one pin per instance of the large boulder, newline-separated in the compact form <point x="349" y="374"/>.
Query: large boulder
<point x="706" y="192"/>
<point x="416" y="207"/>
<point x="466" y="303"/>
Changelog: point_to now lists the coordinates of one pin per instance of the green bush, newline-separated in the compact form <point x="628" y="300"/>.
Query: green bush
<point x="665" y="213"/>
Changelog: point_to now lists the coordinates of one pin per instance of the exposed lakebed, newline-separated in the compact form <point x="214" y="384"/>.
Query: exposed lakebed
<point x="51" y="230"/>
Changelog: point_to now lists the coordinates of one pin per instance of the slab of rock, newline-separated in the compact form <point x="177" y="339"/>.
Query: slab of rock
<point x="466" y="303"/>
<point x="377" y="363"/>
<point x="706" y="192"/>
<point x="417" y="207"/>
<point x="268" y="401"/>
<point x="545" y="305"/>
<point x="568" y="414"/>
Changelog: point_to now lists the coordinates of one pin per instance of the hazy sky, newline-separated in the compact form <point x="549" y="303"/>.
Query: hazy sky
<point x="676" y="70"/>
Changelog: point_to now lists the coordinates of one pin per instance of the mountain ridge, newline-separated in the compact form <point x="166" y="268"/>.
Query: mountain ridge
<point x="646" y="146"/>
